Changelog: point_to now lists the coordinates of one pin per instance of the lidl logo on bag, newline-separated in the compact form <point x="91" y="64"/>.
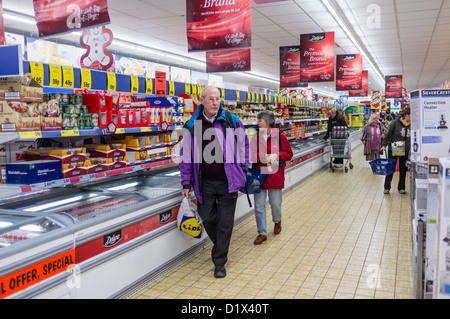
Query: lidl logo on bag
<point x="190" y="226"/>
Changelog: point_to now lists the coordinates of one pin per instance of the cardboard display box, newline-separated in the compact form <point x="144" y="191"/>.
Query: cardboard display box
<point x="19" y="88"/>
<point x="32" y="172"/>
<point x="14" y="117"/>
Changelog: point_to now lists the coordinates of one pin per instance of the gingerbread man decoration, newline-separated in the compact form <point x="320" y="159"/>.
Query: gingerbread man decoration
<point x="96" y="40"/>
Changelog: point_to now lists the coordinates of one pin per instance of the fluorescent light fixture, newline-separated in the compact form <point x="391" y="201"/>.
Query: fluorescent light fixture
<point x="150" y="51"/>
<point x="123" y="44"/>
<point x="201" y="63"/>
<point x="257" y="76"/>
<point x="19" y="18"/>
<point x="349" y="34"/>
<point x="180" y="58"/>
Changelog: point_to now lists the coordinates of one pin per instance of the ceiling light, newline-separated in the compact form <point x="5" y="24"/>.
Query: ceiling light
<point x="19" y="18"/>
<point x="123" y="44"/>
<point x="180" y="58"/>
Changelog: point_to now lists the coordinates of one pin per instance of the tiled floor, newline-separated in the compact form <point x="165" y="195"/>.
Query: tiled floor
<point x="341" y="238"/>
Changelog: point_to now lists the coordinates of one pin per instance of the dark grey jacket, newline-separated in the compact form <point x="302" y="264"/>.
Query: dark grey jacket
<point x="398" y="132"/>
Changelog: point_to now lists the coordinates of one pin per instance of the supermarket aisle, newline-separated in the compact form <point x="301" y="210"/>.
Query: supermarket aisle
<point x="339" y="232"/>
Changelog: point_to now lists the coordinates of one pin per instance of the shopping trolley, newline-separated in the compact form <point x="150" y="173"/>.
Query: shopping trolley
<point x="340" y="148"/>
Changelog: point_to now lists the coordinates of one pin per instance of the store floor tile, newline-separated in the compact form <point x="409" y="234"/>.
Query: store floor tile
<point x="342" y="238"/>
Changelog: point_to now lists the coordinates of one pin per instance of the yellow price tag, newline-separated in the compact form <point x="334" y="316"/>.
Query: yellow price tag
<point x="85" y="79"/>
<point x="66" y="133"/>
<point x="187" y="88"/>
<point x="253" y="97"/>
<point x="146" y="129"/>
<point x="30" y="135"/>
<point x="222" y="94"/>
<point x="194" y="89"/>
<point x="134" y="84"/>
<point x="55" y="75"/>
<point x="111" y="81"/>
<point x="249" y="97"/>
<point x="270" y="98"/>
<point x="171" y="88"/>
<point x="238" y="96"/>
<point x="148" y="86"/>
<point x="68" y="81"/>
<point x="120" y="130"/>
<point x="37" y="72"/>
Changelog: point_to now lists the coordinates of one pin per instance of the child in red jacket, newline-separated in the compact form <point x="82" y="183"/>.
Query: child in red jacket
<point x="270" y="149"/>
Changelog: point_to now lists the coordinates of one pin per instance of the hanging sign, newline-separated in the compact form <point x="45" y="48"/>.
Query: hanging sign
<point x="96" y="41"/>
<point x="375" y="100"/>
<point x="365" y="86"/>
<point x="218" y="25"/>
<point x="349" y="72"/>
<point x="317" y="57"/>
<point x="393" y="86"/>
<point x="290" y="67"/>
<point x="2" y="26"/>
<point x="62" y="16"/>
<point x="228" y="60"/>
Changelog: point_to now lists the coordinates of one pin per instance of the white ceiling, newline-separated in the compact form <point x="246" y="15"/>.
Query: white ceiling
<point x="412" y="39"/>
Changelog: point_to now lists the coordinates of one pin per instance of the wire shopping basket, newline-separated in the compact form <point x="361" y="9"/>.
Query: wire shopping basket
<point x="383" y="166"/>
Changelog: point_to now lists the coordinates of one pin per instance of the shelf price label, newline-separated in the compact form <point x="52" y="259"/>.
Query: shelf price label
<point x="111" y="77"/>
<point x="30" y="135"/>
<point x="55" y="75"/>
<point x="194" y="89"/>
<point x="134" y="84"/>
<point x="86" y="79"/>
<point x="171" y="88"/>
<point x="37" y="72"/>
<point x="148" y="86"/>
<point x="66" y="133"/>
<point x="238" y="96"/>
<point x="68" y="81"/>
<point x="249" y="97"/>
<point x="222" y="94"/>
<point x="187" y="88"/>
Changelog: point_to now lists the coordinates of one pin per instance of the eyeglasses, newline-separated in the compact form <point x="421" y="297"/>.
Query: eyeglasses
<point x="214" y="99"/>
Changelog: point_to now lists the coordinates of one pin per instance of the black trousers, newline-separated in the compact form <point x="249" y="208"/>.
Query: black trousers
<point x="217" y="212"/>
<point x="402" y="170"/>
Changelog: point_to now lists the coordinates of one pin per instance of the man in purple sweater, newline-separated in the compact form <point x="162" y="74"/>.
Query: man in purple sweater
<point x="214" y="160"/>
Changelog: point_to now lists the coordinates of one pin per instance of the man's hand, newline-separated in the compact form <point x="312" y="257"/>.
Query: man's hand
<point x="186" y="193"/>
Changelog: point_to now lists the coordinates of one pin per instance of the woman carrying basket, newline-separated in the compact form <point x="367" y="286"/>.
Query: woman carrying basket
<point x="270" y="149"/>
<point x="398" y="137"/>
<point x="372" y="136"/>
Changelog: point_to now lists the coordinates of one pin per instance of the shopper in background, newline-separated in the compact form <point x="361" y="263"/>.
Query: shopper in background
<point x="372" y="136"/>
<point x="398" y="139"/>
<point x="270" y="150"/>
<point x="335" y="119"/>
<point x="214" y="160"/>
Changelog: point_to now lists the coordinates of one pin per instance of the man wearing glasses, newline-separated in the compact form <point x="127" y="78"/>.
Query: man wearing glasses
<point x="214" y="160"/>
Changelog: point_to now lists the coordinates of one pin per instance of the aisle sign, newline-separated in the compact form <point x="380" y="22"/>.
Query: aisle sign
<point x="85" y="79"/>
<point x="55" y="75"/>
<point x="134" y="84"/>
<point x="148" y="86"/>
<point x="37" y="72"/>
<point x="112" y="84"/>
<point x="68" y="79"/>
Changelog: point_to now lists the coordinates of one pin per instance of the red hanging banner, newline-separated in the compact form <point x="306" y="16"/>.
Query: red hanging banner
<point x="317" y="57"/>
<point x="290" y="67"/>
<point x="349" y="72"/>
<point x="218" y="24"/>
<point x="228" y="60"/>
<point x="393" y="86"/>
<point x="365" y="86"/>
<point x="61" y="16"/>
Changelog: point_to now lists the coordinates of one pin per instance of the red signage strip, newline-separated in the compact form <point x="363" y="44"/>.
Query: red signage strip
<point x="61" y="16"/>
<point x="218" y="24"/>
<point x="24" y="278"/>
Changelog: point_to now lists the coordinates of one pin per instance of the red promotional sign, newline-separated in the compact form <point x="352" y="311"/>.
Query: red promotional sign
<point x="375" y="100"/>
<point x="218" y="24"/>
<point x="160" y="84"/>
<point x="61" y="16"/>
<point x="290" y="67"/>
<point x="2" y="26"/>
<point x="228" y="60"/>
<point x="393" y="86"/>
<point x="267" y="1"/>
<point x="349" y="72"/>
<point x="317" y="57"/>
<point x="96" y="41"/>
<point x="365" y="86"/>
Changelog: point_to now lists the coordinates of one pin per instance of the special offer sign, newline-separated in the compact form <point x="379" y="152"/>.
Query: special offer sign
<point x="349" y="72"/>
<point x="290" y="67"/>
<point x="61" y="16"/>
<point x="393" y="86"/>
<point x="317" y="57"/>
<point x="218" y="24"/>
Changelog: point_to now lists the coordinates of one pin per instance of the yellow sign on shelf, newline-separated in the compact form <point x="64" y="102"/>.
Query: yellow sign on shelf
<point x="111" y="77"/>
<point x="68" y="80"/>
<point x="30" y="135"/>
<point x="148" y="86"/>
<point x="86" y="80"/>
<point x="171" y="88"/>
<point x="134" y="84"/>
<point x="55" y="75"/>
<point x="37" y="72"/>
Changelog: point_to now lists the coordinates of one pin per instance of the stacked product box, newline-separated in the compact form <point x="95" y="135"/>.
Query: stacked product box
<point x="32" y="172"/>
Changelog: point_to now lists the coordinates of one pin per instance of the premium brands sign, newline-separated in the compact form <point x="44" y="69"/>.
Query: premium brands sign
<point x="228" y="60"/>
<point x="349" y="72"/>
<point x="61" y="16"/>
<point x="2" y="26"/>
<point x="365" y="86"/>
<point x="218" y="24"/>
<point x="290" y="67"/>
<point x="376" y="97"/>
<point x="317" y="57"/>
<point x="393" y="86"/>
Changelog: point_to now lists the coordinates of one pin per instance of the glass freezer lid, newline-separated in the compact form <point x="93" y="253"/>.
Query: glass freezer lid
<point x="84" y="205"/>
<point x="17" y="228"/>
